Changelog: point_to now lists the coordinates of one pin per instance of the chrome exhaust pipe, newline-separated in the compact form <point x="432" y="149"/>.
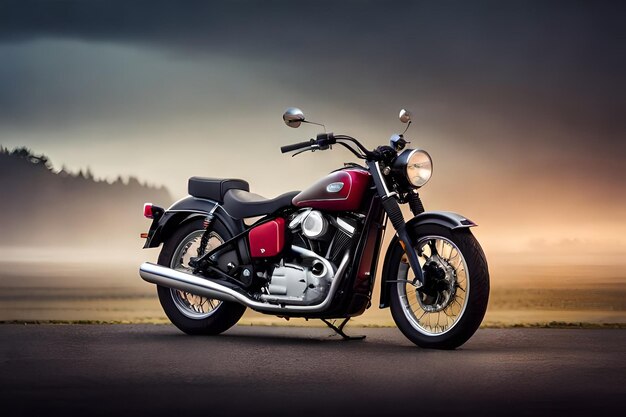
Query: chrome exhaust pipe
<point x="171" y="278"/>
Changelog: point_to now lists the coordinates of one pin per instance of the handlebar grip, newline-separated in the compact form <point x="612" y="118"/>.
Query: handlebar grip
<point x="296" y="146"/>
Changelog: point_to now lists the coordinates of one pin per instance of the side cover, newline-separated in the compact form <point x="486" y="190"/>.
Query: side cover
<point x="267" y="239"/>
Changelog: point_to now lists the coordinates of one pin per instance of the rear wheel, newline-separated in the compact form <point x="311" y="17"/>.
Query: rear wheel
<point x="448" y="309"/>
<point x="191" y="313"/>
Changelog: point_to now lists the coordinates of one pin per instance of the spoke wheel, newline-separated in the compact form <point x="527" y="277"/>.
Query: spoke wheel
<point x="448" y="309"/>
<point x="192" y="313"/>
<point x="192" y="305"/>
<point x="436" y="308"/>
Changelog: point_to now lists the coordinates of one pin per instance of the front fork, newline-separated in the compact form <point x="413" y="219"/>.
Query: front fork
<point x="392" y="208"/>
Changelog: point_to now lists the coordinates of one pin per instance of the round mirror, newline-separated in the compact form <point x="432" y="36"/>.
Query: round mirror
<point x="293" y="117"/>
<point x="405" y="116"/>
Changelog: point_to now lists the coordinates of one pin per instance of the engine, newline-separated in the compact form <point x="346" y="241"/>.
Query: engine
<point x="320" y="242"/>
<point x="326" y="235"/>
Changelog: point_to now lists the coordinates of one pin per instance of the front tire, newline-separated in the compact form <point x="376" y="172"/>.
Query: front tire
<point x="448" y="310"/>
<point x="191" y="313"/>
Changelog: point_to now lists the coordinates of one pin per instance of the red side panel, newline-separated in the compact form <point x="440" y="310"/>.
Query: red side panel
<point x="339" y="191"/>
<point x="267" y="239"/>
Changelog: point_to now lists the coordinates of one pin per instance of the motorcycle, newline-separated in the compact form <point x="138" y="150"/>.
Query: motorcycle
<point x="314" y="253"/>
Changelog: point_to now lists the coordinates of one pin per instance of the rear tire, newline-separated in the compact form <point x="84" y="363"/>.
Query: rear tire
<point x="193" y="314"/>
<point x="445" y="317"/>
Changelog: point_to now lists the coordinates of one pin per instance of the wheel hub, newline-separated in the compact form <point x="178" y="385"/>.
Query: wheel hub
<point x="439" y="287"/>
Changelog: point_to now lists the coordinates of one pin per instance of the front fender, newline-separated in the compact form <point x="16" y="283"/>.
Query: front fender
<point x="443" y="218"/>
<point x="446" y="219"/>
<point x="184" y="210"/>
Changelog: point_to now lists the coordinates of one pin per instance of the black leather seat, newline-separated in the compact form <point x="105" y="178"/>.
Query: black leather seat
<point x="241" y="204"/>
<point x="214" y="188"/>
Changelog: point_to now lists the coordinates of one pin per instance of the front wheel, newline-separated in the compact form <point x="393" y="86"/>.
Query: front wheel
<point x="191" y="313"/>
<point x="448" y="309"/>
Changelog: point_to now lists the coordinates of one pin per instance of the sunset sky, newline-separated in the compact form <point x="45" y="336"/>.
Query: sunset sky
<point x="522" y="105"/>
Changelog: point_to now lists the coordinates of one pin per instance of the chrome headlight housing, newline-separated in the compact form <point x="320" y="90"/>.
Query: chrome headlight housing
<point x="413" y="168"/>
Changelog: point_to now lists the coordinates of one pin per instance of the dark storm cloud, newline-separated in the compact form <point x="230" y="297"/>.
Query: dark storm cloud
<point x="554" y="65"/>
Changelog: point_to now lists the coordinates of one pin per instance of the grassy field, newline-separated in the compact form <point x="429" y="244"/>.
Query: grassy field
<point x="94" y="291"/>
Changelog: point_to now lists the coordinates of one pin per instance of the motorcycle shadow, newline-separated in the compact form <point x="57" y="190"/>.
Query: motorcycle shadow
<point x="309" y="336"/>
<point x="485" y="341"/>
<point x="387" y="339"/>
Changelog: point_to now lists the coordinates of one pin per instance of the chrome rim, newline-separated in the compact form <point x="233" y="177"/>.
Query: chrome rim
<point x="436" y="309"/>
<point x="189" y="304"/>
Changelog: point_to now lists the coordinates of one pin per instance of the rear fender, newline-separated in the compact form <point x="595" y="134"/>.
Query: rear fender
<point x="187" y="209"/>
<point x="447" y="219"/>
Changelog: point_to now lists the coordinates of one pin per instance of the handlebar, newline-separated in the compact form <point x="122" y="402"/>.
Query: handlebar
<point x="296" y="146"/>
<point x="326" y="140"/>
<point x="322" y="142"/>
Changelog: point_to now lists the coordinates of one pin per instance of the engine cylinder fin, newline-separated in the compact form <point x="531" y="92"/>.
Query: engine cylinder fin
<point x="339" y="246"/>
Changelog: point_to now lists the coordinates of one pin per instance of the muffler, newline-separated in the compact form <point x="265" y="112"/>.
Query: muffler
<point x="171" y="278"/>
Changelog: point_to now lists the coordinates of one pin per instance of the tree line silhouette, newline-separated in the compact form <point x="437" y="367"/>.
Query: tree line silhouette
<point x="41" y="206"/>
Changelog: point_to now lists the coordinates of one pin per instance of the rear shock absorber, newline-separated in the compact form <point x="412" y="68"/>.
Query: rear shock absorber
<point x="205" y="236"/>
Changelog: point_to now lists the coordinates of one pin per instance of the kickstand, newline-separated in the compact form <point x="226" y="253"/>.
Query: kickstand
<point x="339" y="330"/>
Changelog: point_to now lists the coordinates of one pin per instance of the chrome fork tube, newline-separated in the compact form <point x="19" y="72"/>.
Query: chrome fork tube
<point x="392" y="208"/>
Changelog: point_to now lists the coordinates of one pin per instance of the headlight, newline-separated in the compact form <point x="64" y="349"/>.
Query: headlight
<point x="419" y="168"/>
<point x="413" y="168"/>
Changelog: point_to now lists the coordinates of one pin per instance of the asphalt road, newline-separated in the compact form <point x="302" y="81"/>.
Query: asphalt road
<point x="119" y="370"/>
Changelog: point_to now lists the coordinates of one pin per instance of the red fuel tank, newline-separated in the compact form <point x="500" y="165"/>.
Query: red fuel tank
<point x="339" y="191"/>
